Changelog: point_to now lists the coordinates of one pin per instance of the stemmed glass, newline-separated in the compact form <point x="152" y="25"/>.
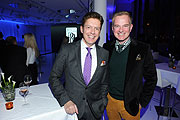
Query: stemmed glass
<point x="27" y="80"/>
<point x="23" y="91"/>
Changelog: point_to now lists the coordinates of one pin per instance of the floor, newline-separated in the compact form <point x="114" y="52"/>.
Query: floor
<point x="45" y="65"/>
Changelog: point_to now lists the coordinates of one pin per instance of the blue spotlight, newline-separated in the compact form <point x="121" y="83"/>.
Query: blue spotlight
<point x="12" y="21"/>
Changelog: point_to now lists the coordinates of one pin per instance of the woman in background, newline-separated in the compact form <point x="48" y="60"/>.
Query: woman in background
<point x="32" y="55"/>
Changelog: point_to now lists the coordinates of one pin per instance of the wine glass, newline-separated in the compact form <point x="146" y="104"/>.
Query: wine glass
<point x="23" y="91"/>
<point x="27" y="80"/>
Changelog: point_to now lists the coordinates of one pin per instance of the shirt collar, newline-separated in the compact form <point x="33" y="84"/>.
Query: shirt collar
<point x="84" y="46"/>
<point x="125" y="44"/>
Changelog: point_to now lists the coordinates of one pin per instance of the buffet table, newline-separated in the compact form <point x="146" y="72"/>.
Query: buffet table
<point x="41" y="106"/>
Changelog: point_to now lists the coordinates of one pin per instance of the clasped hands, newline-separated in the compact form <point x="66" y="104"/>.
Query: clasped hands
<point x="70" y="108"/>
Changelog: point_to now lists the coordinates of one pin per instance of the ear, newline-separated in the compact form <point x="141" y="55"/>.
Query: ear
<point x="112" y="28"/>
<point x="131" y="27"/>
<point x="81" y="28"/>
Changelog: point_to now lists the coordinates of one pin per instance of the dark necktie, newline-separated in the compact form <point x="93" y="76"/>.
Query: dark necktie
<point x="87" y="66"/>
<point x="120" y="48"/>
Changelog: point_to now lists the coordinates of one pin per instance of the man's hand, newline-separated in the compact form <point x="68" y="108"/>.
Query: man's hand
<point x="70" y="108"/>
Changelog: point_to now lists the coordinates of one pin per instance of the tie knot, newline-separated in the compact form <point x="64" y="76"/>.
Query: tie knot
<point x="121" y="46"/>
<point x="88" y="49"/>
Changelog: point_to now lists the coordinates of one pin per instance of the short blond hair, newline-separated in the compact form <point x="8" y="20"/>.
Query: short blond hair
<point x="120" y="14"/>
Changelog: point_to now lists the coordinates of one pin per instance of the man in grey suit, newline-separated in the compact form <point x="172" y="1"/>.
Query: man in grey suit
<point x="87" y="99"/>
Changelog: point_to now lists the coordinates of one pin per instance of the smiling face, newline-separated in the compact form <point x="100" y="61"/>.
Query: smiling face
<point x="122" y="28"/>
<point x="91" y="31"/>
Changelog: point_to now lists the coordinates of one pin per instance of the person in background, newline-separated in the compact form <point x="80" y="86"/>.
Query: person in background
<point x="32" y="55"/>
<point x="130" y="62"/>
<point x="85" y="90"/>
<point x="2" y="50"/>
<point x="15" y="61"/>
<point x="0" y="73"/>
<point x="2" y="42"/>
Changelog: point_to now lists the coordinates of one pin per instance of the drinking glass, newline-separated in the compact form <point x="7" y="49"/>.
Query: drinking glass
<point x="27" y="80"/>
<point x="23" y="91"/>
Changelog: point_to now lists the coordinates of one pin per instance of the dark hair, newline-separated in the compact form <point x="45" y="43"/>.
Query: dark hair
<point x="1" y="35"/>
<point x="92" y="15"/>
<point x="11" y="40"/>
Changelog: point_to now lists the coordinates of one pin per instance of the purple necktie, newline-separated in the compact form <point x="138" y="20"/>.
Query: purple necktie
<point x="87" y="66"/>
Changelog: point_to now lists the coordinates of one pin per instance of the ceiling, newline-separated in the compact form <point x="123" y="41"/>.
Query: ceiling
<point x="38" y="12"/>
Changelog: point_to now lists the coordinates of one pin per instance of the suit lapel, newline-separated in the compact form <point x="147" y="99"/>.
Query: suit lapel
<point x="78" y="57"/>
<point x="133" y="51"/>
<point x="99" y="59"/>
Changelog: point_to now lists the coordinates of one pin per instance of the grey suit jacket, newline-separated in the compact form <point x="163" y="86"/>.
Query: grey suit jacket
<point x="68" y="61"/>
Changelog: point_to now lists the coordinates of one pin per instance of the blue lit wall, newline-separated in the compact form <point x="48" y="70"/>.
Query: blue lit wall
<point x="124" y="5"/>
<point x="11" y="29"/>
<point x="42" y="33"/>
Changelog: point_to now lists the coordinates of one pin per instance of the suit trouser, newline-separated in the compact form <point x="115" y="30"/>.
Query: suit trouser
<point x="88" y="115"/>
<point x="116" y="110"/>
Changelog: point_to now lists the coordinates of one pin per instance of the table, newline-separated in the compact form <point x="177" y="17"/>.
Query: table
<point x="167" y="76"/>
<point x="42" y="106"/>
<point x="170" y="75"/>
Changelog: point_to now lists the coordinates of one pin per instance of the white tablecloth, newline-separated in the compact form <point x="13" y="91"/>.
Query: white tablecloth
<point x="41" y="106"/>
<point x="169" y="75"/>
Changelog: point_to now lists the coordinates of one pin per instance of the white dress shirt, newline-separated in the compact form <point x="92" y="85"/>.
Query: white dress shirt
<point x="93" y="54"/>
<point x="31" y="58"/>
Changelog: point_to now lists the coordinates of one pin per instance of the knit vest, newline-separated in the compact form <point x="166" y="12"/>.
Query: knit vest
<point x="117" y="65"/>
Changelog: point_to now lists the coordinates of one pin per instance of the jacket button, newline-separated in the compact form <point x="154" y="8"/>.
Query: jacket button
<point x="83" y="98"/>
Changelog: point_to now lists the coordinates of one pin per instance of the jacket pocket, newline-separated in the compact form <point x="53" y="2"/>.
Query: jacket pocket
<point x="133" y="107"/>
